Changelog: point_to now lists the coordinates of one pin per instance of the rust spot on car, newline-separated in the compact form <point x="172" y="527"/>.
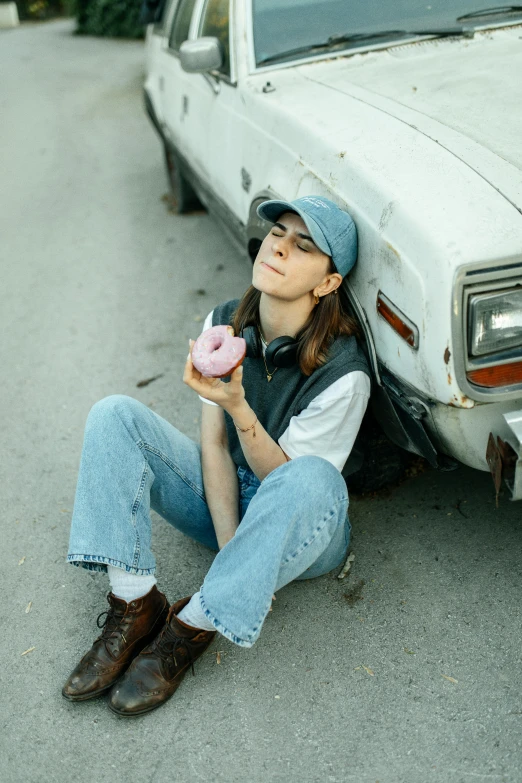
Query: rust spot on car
<point x="447" y="354"/>
<point x="342" y="154"/>
<point x="461" y="401"/>
<point x="449" y="379"/>
<point x="394" y="251"/>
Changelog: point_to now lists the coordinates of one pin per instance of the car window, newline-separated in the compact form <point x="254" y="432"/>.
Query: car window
<point x="215" y="22"/>
<point x="181" y="23"/>
<point x="283" y="25"/>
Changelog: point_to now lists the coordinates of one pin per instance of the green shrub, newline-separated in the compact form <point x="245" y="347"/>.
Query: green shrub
<point x="70" y="7"/>
<point x="114" y="18"/>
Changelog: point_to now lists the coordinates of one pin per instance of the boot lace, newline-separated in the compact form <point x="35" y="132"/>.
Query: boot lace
<point x="168" y="642"/>
<point x="109" y="624"/>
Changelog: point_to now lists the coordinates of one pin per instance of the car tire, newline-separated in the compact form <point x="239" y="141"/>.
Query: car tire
<point x="383" y="463"/>
<point x="183" y="197"/>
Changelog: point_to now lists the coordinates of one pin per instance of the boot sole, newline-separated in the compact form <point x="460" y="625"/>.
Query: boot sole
<point x="141" y="712"/>
<point x="87" y="696"/>
<point x="136" y="714"/>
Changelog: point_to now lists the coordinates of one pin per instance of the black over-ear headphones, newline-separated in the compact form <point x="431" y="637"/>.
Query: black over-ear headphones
<point x="281" y="352"/>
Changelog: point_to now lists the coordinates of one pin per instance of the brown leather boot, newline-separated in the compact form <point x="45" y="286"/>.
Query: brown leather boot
<point x="155" y="674"/>
<point x="127" y="629"/>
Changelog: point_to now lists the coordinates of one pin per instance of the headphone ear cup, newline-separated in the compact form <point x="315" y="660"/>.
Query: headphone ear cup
<point x="282" y="352"/>
<point x="253" y="348"/>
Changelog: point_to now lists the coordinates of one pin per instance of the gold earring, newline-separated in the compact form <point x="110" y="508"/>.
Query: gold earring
<point x="316" y="298"/>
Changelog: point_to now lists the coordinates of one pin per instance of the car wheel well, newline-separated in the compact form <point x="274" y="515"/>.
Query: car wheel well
<point x="253" y="248"/>
<point x="183" y="197"/>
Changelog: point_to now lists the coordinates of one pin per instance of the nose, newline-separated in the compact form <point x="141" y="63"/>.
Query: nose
<point x="280" y="246"/>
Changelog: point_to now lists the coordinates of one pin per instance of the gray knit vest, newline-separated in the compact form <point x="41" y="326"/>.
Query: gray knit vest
<point x="289" y="392"/>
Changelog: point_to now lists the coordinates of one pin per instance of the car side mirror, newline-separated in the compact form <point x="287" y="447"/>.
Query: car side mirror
<point x="203" y="54"/>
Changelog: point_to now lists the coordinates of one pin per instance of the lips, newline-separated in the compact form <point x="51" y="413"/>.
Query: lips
<point x="272" y="269"/>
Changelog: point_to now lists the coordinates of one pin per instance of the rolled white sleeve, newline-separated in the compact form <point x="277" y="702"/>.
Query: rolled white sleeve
<point x="329" y="425"/>
<point x="207" y="325"/>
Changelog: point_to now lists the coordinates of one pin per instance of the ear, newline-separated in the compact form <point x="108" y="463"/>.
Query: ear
<point x="329" y="284"/>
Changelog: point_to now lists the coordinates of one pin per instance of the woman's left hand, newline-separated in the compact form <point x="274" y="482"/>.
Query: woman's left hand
<point x="229" y="396"/>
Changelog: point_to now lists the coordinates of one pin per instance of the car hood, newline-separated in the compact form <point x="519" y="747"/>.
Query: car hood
<point x="465" y="94"/>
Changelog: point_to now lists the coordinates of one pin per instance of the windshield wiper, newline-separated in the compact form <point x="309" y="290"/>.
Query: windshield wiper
<point x="335" y="40"/>
<point x="495" y="11"/>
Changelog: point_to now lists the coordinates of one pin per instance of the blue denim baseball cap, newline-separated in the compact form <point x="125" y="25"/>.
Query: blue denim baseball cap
<point x="332" y="229"/>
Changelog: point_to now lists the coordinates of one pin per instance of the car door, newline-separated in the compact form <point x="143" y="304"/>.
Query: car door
<point x="204" y="112"/>
<point x="174" y="82"/>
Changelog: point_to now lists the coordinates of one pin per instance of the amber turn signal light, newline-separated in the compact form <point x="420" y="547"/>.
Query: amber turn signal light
<point x="397" y="320"/>
<point x="499" y="375"/>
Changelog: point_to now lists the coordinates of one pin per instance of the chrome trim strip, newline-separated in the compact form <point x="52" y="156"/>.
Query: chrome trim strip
<point x="249" y="25"/>
<point x="169" y="18"/>
<point x="195" y="21"/>
<point x="231" y="80"/>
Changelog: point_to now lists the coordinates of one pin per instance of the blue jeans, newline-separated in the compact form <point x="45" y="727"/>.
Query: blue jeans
<point x="294" y="523"/>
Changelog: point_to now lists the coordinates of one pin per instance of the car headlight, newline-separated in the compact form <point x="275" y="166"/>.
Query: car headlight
<point x="495" y="321"/>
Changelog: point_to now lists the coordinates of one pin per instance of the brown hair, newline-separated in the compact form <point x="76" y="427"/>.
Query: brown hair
<point x="328" y="320"/>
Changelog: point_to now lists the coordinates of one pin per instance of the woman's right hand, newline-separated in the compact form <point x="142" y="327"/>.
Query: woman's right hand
<point x="230" y="396"/>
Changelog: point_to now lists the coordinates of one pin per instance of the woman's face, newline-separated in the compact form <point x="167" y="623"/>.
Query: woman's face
<point x="289" y="265"/>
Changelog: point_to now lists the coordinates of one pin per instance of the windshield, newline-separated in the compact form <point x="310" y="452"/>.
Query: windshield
<point x="285" y="25"/>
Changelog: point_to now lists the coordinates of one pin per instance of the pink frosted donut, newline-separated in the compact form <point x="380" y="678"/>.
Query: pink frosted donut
<point x="216" y="352"/>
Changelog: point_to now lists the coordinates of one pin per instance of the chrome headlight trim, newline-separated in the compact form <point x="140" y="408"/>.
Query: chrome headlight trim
<point x="472" y="280"/>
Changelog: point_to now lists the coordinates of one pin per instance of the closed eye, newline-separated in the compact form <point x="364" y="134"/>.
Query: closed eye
<point x="277" y="233"/>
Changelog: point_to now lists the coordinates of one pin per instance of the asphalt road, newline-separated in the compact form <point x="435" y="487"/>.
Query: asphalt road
<point x="409" y="670"/>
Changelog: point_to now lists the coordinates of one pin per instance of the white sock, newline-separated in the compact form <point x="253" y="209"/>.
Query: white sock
<point x="129" y="586"/>
<point x="194" y="615"/>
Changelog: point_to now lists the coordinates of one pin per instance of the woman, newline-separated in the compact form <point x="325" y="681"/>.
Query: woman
<point x="265" y="488"/>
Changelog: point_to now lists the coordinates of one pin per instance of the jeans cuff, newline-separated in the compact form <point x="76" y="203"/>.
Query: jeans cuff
<point x="99" y="563"/>
<point x="221" y="628"/>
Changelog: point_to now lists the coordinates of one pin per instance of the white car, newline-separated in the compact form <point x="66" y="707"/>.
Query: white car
<point x="408" y="115"/>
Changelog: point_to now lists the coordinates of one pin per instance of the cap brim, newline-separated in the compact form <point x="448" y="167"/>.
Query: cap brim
<point x="271" y="210"/>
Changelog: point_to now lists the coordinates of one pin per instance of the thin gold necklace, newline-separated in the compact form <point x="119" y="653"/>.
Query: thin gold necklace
<point x="269" y="375"/>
